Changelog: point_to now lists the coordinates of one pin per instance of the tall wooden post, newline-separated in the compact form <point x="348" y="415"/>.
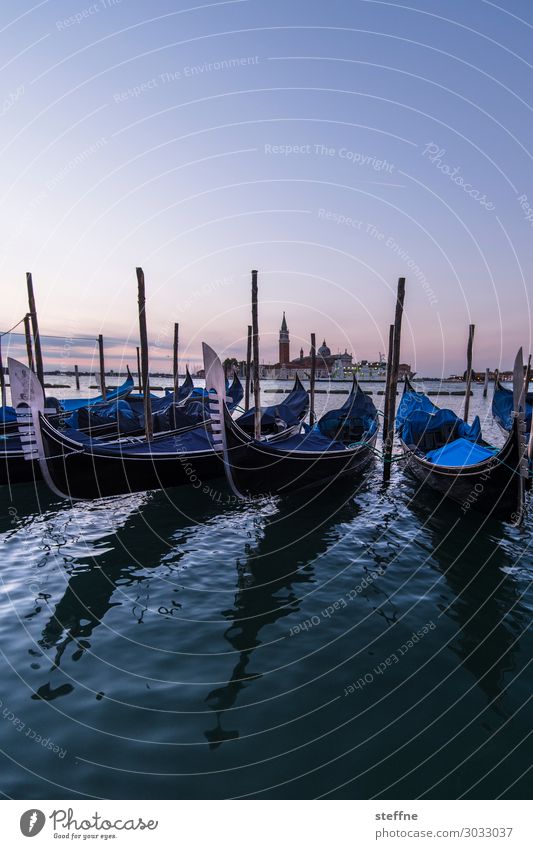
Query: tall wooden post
<point x="139" y="379"/>
<point x="248" y="367"/>
<point x="148" y="423"/>
<point x="2" y="379"/>
<point x="35" y="327"/>
<point x="393" y="381"/>
<point x="77" y="377"/>
<point x="27" y="334"/>
<point x="103" y="389"/>
<point x="471" y="330"/>
<point x="255" y="348"/>
<point x="175" y="369"/>
<point x="312" y="382"/>
<point x="496" y="380"/>
<point x="527" y="379"/>
<point x="486" y="383"/>
<point x="389" y="371"/>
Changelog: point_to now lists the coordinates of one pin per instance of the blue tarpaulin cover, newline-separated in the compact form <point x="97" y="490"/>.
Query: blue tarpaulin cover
<point x="358" y="411"/>
<point x="460" y="452"/>
<point x="116" y="412"/>
<point x="417" y="415"/>
<point x="309" y="441"/>
<point x="194" y="440"/>
<point x="70" y="404"/>
<point x="290" y="410"/>
<point x="7" y="414"/>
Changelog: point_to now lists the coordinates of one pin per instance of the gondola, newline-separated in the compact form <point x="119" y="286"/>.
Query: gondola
<point x="287" y="413"/>
<point x="450" y="456"/>
<point x="68" y="405"/>
<point x="502" y="408"/>
<point x="340" y="444"/>
<point x="75" y="466"/>
<point x="126" y="417"/>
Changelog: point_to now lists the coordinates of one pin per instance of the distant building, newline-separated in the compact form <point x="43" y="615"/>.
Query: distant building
<point x="284" y="343"/>
<point x="328" y="365"/>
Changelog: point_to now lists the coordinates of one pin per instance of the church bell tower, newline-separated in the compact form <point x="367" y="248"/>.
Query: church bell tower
<point x="284" y="355"/>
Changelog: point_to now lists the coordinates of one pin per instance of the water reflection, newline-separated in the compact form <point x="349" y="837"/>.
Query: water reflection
<point x="105" y="549"/>
<point x="278" y="564"/>
<point x="471" y="554"/>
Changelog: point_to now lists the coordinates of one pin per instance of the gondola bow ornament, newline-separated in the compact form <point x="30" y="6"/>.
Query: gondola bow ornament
<point x="27" y="397"/>
<point x="215" y="384"/>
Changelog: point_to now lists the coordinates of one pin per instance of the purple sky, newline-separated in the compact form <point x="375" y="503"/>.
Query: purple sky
<point x="333" y="146"/>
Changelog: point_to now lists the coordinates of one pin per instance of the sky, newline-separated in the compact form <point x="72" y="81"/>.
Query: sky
<point x="334" y="146"/>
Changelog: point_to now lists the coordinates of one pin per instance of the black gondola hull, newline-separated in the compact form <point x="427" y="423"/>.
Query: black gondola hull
<point x="492" y="487"/>
<point x="84" y="472"/>
<point x="261" y="468"/>
<point x="14" y="468"/>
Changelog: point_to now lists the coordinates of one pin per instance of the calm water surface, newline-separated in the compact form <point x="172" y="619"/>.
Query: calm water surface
<point x="176" y="645"/>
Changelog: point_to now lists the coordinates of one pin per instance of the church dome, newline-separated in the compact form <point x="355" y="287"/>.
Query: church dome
<point x="324" y="351"/>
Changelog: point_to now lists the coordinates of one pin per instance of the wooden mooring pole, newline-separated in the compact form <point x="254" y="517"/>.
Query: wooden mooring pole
<point x="148" y="423"/>
<point x="2" y="379"/>
<point x="27" y="335"/>
<point x="486" y="383"/>
<point x="255" y="349"/>
<point x="471" y="331"/>
<point x="39" y="369"/>
<point x="392" y="381"/>
<point x="77" y="377"/>
<point x="175" y="369"/>
<point x="389" y="369"/>
<point x="496" y="379"/>
<point x="312" y="417"/>
<point x="103" y="389"/>
<point x="248" y="367"/>
<point x="139" y="377"/>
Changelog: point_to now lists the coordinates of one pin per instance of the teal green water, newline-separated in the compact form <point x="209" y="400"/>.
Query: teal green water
<point x="172" y="645"/>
